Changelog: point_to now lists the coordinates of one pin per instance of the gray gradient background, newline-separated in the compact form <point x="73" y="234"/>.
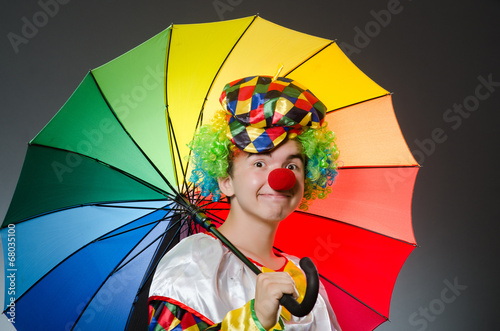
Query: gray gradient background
<point x="430" y="55"/>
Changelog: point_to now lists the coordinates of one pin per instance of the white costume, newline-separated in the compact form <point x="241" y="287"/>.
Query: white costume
<point x="201" y="275"/>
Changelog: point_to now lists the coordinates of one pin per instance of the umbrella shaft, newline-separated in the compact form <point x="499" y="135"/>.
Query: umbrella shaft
<point x="203" y="220"/>
<point x="233" y="249"/>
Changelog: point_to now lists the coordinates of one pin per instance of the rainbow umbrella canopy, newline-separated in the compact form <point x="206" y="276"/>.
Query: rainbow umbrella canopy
<point x="95" y="204"/>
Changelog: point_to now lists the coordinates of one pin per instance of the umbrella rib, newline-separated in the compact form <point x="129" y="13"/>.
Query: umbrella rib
<point x="167" y="57"/>
<point x="131" y="138"/>
<point x="132" y="229"/>
<point x="352" y="296"/>
<point x="127" y="207"/>
<point x="200" y="116"/>
<point x="175" y="147"/>
<point x="123" y="172"/>
<point x="109" y="275"/>
<point x="189" y="189"/>
<point x="343" y="290"/>
<point x="359" y="102"/>
<point x="143" y="225"/>
<point x="313" y="55"/>
<point x="381" y="166"/>
<point x="137" y="208"/>
<point x="220" y="68"/>
<point x="213" y="217"/>
<point x="169" y="244"/>
<point x="358" y="227"/>
<point x="170" y="128"/>
<point x="191" y="193"/>
<point x="203" y="201"/>
<point x="310" y="57"/>
<point x="72" y="254"/>
<point x="174" y="139"/>
<point x="147" y="246"/>
<point x="151" y="270"/>
<point x="139" y="180"/>
<point x="99" y="204"/>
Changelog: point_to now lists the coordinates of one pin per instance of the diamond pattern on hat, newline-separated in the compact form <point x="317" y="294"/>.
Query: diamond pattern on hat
<point x="263" y="110"/>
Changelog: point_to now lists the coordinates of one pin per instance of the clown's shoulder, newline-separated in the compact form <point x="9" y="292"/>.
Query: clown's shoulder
<point x="201" y="248"/>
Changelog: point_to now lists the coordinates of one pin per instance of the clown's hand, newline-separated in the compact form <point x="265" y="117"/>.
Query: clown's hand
<point x="269" y="289"/>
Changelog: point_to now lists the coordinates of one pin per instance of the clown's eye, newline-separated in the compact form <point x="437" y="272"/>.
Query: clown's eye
<point x="259" y="164"/>
<point x="292" y="167"/>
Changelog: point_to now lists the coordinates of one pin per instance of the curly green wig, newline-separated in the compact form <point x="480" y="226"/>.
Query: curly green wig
<point x="213" y="152"/>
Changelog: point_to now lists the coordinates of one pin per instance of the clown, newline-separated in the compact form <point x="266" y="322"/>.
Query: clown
<point x="268" y="126"/>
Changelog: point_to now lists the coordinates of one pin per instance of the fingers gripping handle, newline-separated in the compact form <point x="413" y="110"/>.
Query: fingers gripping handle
<point x="305" y="307"/>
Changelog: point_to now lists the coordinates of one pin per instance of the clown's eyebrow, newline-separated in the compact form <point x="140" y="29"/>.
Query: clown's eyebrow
<point x="299" y="156"/>
<point x="249" y="155"/>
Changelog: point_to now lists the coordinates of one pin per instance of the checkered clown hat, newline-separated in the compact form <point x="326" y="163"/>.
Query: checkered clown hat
<point x="262" y="112"/>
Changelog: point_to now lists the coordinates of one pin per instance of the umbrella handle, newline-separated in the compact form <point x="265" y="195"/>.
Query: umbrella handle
<point x="312" y="289"/>
<point x="287" y="300"/>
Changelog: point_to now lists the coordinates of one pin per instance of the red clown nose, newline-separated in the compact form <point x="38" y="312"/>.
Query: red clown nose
<point x="281" y="179"/>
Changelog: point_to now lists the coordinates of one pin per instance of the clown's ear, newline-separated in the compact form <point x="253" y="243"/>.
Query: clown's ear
<point x="226" y="186"/>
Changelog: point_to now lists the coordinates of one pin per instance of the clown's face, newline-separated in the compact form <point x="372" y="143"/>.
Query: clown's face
<point x="249" y="190"/>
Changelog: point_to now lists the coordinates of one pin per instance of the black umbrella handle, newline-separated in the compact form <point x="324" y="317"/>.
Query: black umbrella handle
<point x="287" y="300"/>
<point x="312" y="289"/>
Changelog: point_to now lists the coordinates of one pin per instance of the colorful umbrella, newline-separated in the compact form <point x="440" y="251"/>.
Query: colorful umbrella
<point x="95" y="205"/>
